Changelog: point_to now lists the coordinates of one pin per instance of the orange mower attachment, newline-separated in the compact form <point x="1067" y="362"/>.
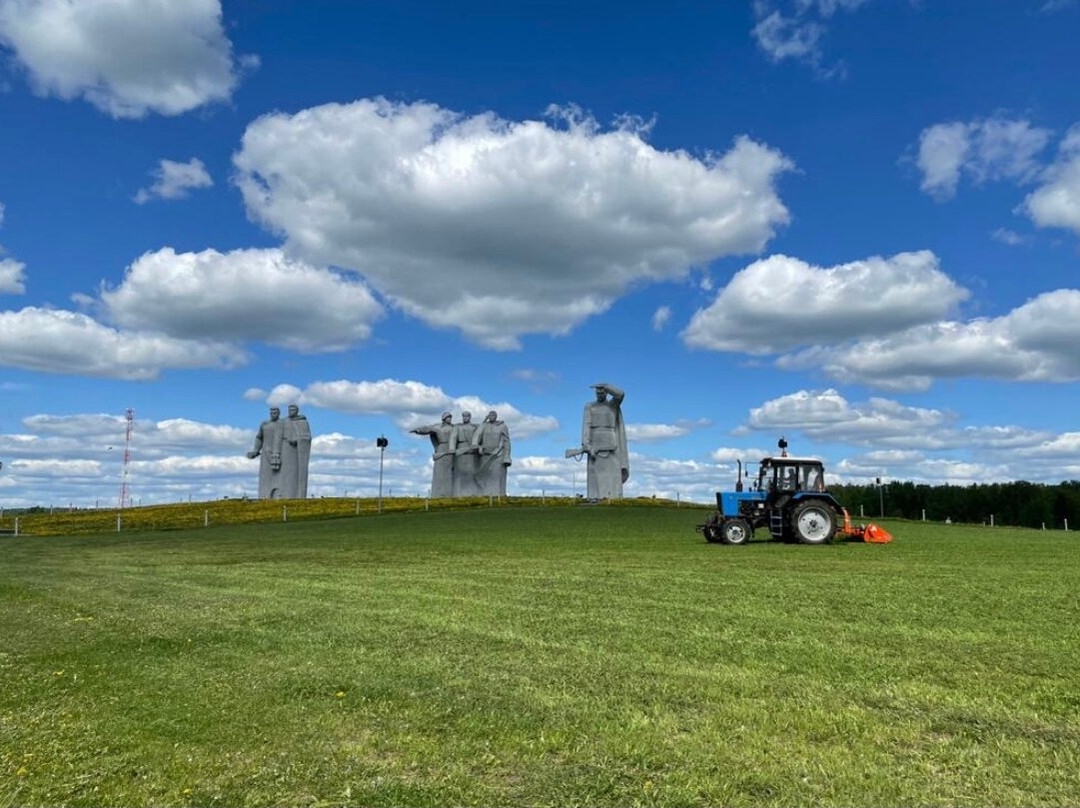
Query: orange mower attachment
<point x="872" y="534"/>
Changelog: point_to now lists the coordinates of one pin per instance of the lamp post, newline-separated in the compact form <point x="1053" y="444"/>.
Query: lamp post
<point x="382" y="443"/>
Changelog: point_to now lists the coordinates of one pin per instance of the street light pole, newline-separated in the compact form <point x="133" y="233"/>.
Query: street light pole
<point x="382" y="443"/>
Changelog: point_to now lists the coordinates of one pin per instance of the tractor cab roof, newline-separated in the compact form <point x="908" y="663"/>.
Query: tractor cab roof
<point x="791" y="461"/>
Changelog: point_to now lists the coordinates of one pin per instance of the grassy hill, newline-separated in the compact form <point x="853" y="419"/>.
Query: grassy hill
<point x="186" y="515"/>
<point x="538" y="656"/>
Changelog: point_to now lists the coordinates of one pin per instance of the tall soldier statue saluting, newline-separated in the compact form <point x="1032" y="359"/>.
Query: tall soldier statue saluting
<point x="603" y="439"/>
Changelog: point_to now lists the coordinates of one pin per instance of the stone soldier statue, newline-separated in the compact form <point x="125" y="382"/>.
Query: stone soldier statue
<point x="466" y="459"/>
<point x="442" y="473"/>
<point x="603" y="439"/>
<point x="492" y="442"/>
<point x="295" y="455"/>
<point x="268" y="444"/>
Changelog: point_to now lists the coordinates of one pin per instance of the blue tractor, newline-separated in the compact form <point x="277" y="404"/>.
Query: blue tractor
<point x="788" y="497"/>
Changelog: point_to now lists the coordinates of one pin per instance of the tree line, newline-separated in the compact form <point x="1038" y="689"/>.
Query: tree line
<point x="1020" y="504"/>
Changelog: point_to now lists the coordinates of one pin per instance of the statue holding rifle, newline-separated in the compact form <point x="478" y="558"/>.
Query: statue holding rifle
<point x="603" y="441"/>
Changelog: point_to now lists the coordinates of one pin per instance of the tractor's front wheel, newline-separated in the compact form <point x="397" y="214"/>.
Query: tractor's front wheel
<point x="735" y="531"/>
<point x="813" y="523"/>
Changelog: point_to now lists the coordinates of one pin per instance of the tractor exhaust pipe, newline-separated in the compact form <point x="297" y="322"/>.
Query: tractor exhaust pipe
<point x="738" y="480"/>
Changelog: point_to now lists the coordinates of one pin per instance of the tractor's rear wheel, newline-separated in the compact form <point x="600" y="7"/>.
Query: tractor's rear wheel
<point x="735" y="531"/>
<point x="813" y="522"/>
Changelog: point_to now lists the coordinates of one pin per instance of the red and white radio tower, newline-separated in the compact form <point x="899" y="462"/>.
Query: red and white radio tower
<point x="125" y="495"/>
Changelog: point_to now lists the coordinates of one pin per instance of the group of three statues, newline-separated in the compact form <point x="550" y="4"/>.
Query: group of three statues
<point x="470" y="460"/>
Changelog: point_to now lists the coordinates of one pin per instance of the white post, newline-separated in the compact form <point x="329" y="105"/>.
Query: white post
<point x="427" y="504"/>
<point x="924" y="514"/>
<point x="861" y="514"/>
<point x="491" y="502"/>
<point x="1044" y="525"/>
<point x="1066" y="525"/>
<point x="117" y="523"/>
<point x="206" y="518"/>
<point x="991" y="520"/>
<point x="16" y="526"/>
<point x="358" y="506"/>
<point x="284" y="513"/>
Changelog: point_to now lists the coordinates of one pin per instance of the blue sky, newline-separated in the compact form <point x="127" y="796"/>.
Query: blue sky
<point x="851" y="222"/>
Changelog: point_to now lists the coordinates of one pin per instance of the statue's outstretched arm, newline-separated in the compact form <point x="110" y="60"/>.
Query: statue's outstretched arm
<point x="257" y="449"/>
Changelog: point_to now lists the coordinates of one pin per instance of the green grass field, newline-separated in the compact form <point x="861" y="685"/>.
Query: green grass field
<point x="529" y="656"/>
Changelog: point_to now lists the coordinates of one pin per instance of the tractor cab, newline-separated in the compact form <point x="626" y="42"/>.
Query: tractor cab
<point x="787" y="475"/>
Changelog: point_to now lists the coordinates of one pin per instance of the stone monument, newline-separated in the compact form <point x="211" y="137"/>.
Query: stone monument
<point x="442" y="472"/>
<point x="268" y="444"/>
<point x="492" y="443"/>
<point x="466" y="458"/>
<point x="603" y="440"/>
<point x="295" y="455"/>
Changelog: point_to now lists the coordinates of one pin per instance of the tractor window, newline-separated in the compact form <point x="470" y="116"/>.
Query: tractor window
<point x="787" y="479"/>
<point x="811" y="478"/>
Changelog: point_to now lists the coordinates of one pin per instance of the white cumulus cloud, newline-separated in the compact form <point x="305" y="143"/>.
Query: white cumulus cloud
<point x="780" y="302"/>
<point x="243" y="295"/>
<point x="826" y="415"/>
<point x="12" y="277"/>
<point x="126" y="57"/>
<point x="647" y="433"/>
<point x="1035" y="342"/>
<point x="57" y="341"/>
<point x="987" y="149"/>
<point x="173" y="180"/>
<point x="1056" y="203"/>
<point x="794" y="29"/>
<point x="501" y="228"/>
<point x="660" y="318"/>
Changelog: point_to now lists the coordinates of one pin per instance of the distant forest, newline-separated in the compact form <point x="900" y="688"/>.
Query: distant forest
<point x="1020" y="504"/>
